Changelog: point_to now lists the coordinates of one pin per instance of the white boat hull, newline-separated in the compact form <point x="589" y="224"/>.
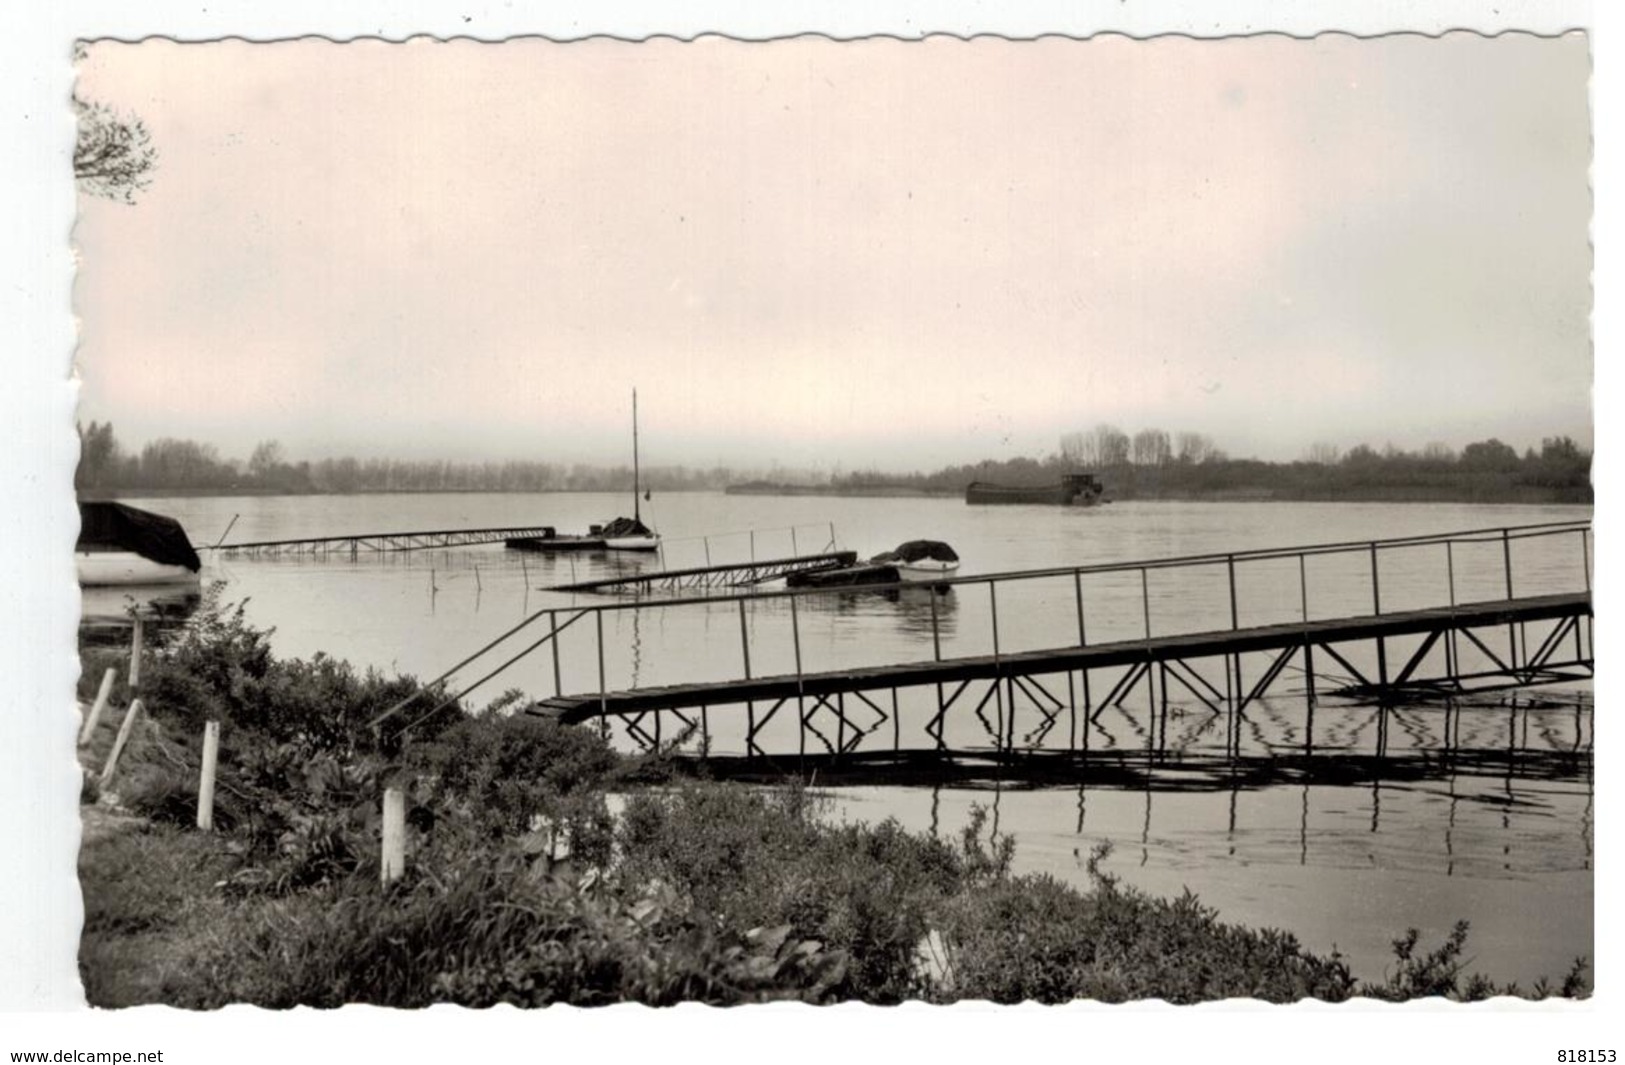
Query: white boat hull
<point x="98" y="568"/>
<point x="925" y="570"/>
<point x="632" y="543"/>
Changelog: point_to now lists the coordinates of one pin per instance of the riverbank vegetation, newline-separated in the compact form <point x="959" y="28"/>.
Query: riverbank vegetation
<point x="1154" y="465"/>
<point x="545" y="867"/>
<point x="1150" y="464"/>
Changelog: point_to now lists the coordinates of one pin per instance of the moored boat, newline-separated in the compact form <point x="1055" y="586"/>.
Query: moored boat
<point x="630" y="534"/>
<point x="921" y="560"/>
<point x="1074" y="490"/>
<point x="124" y="545"/>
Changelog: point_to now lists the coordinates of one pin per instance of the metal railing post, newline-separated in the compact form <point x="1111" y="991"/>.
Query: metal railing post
<point x="794" y="550"/>
<point x="936" y="635"/>
<point x="750" y="706"/>
<point x="1083" y="671"/>
<point x="795" y="633"/>
<point x="1145" y="601"/>
<point x="1450" y="568"/>
<point x="1512" y="629"/>
<point x="993" y="602"/>
<point x="1376" y="593"/>
<point x="1077" y="587"/>
<point x="1585" y="556"/>
<point x="1303" y="585"/>
<point x="801" y="706"/>
<point x="603" y="698"/>
<point x="1235" y="617"/>
<point x="998" y="678"/>
<point x="553" y="638"/>
<point x="1506" y="553"/>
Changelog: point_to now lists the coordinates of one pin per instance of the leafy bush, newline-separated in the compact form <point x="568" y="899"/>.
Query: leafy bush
<point x="1439" y="973"/>
<point x="752" y="858"/>
<point x="482" y="929"/>
<point x="1014" y="939"/>
<point x="220" y="667"/>
<point x="501" y="774"/>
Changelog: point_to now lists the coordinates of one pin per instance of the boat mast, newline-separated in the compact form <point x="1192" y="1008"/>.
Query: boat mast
<point x="636" y="515"/>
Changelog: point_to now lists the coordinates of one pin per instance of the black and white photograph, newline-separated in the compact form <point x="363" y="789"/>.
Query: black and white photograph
<point x="936" y="518"/>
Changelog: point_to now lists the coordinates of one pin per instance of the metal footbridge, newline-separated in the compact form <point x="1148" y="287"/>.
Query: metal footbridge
<point x="739" y="574"/>
<point x="354" y="544"/>
<point x="1231" y="631"/>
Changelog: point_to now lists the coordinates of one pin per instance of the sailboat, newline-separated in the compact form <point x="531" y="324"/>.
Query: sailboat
<point x="630" y="534"/>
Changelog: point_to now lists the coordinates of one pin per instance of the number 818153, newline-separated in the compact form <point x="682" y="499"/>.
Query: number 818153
<point x="1585" y="1057"/>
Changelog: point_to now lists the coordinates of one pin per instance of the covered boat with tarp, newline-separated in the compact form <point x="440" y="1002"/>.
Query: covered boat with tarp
<point x="918" y="560"/>
<point x="628" y="534"/>
<point x="121" y="544"/>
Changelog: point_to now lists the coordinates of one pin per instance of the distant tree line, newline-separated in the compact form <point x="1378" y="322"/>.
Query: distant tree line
<point x="1154" y="463"/>
<point x="1149" y="464"/>
<point x="168" y="464"/>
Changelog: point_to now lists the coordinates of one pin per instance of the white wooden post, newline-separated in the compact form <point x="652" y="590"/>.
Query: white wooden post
<point x="124" y="730"/>
<point x="394" y="863"/>
<point x="94" y="718"/>
<point x="135" y="655"/>
<point x="205" y="784"/>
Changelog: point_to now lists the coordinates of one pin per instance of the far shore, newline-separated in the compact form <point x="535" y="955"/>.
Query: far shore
<point x="1526" y="496"/>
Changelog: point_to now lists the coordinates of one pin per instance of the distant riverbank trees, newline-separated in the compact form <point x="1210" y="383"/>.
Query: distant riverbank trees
<point x="1148" y="464"/>
<point x="1155" y="464"/>
<point x="171" y="465"/>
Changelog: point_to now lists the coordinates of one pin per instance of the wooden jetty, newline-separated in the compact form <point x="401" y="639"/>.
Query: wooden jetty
<point x="393" y="541"/>
<point x="737" y="574"/>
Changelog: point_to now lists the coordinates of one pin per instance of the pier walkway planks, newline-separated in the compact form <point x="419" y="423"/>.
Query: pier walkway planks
<point x="582" y="707"/>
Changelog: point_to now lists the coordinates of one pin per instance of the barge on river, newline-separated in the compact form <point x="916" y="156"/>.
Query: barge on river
<point x="1074" y="490"/>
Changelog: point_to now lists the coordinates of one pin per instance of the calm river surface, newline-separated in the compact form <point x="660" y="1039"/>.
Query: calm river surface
<point x="1494" y="826"/>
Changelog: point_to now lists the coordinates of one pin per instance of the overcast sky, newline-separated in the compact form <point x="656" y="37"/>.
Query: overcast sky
<point x="882" y="254"/>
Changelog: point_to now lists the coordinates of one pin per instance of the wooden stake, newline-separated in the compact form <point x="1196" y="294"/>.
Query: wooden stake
<point x="94" y="718"/>
<point x="135" y="655"/>
<point x="125" y="728"/>
<point x="205" y="784"/>
<point x="394" y="863"/>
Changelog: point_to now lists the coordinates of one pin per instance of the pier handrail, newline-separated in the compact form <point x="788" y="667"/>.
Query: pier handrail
<point x="1504" y="535"/>
<point x="1487" y="535"/>
<point x="552" y="634"/>
<point x="494" y="532"/>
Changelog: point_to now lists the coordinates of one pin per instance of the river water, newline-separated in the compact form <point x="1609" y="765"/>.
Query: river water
<point x="1480" y="811"/>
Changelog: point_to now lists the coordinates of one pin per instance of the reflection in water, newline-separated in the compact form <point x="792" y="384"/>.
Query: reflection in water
<point x="106" y="611"/>
<point x="920" y="613"/>
<point x="1303" y="828"/>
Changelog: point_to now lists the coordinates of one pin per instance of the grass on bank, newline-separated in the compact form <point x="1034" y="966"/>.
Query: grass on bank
<point x="696" y="891"/>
